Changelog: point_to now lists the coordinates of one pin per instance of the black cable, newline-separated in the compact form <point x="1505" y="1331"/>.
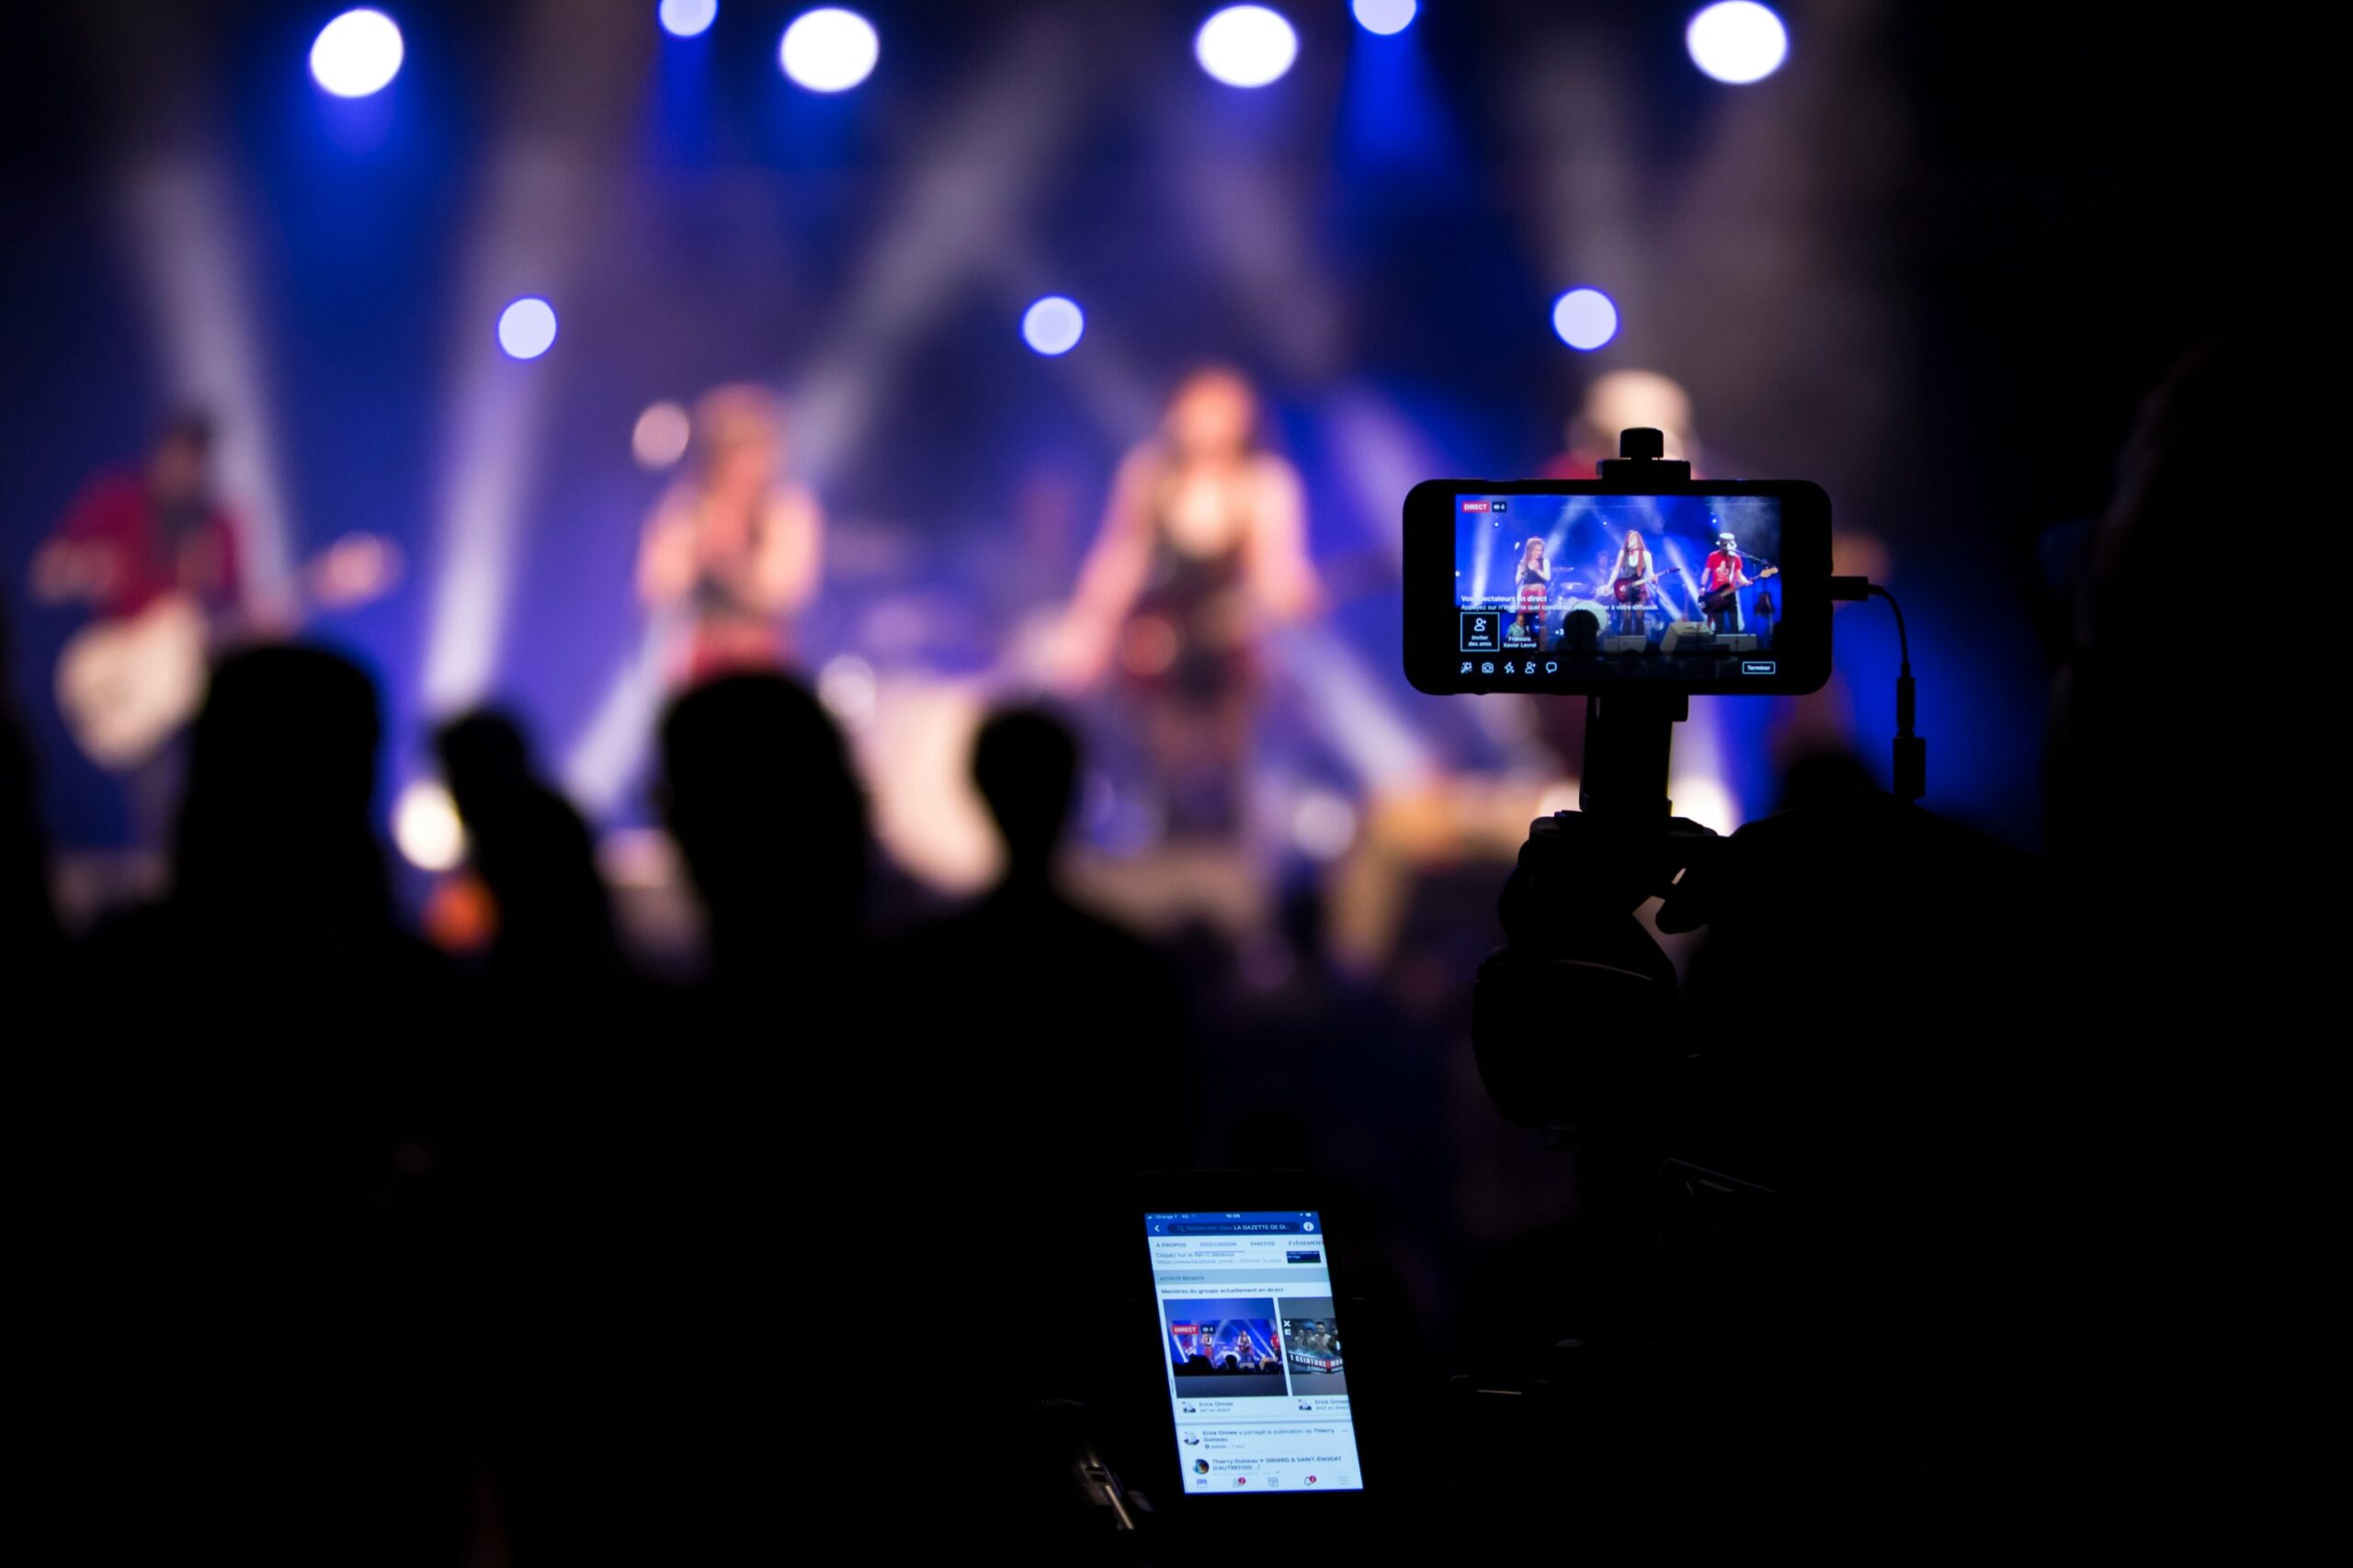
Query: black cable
<point x="1911" y="750"/>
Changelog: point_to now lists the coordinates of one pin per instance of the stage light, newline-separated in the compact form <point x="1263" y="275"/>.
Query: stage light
<point x="358" y="53"/>
<point x="1323" y="824"/>
<point x="1585" y="318"/>
<point x="526" y="328"/>
<point x="426" y="829"/>
<point x="1054" y="326"/>
<point x="829" y="49"/>
<point x="659" y="438"/>
<point x="1245" y="46"/>
<point x="1385" y="17"/>
<point x="848" y="689"/>
<point x="688" y="19"/>
<point x="1737" y="42"/>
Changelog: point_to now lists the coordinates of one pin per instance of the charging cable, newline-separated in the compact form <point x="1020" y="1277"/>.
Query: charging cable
<point x="1911" y="750"/>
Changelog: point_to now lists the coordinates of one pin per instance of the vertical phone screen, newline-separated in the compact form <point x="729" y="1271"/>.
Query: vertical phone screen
<point x="1257" y="1384"/>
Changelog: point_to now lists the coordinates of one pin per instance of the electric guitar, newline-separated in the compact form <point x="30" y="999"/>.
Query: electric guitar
<point x="1722" y="599"/>
<point x="127" y="684"/>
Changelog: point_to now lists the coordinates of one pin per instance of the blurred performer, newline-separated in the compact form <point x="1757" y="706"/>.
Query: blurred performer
<point x="1533" y="580"/>
<point x="1721" y="582"/>
<point x="134" y="538"/>
<point x="1624" y="400"/>
<point x="157" y="561"/>
<point x="1630" y="581"/>
<point x="734" y="547"/>
<point x="1203" y="543"/>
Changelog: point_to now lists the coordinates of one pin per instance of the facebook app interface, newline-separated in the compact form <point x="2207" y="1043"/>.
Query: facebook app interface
<point x="1256" y="1377"/>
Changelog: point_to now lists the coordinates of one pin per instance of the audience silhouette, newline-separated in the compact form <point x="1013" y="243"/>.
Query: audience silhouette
<point x="265" y="1258"/>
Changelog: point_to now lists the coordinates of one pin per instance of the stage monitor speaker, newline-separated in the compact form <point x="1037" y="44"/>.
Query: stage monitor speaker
<point x="1635" y="644"/>
<point x="1736" y="642"/>
<point x="1690" y="636"/>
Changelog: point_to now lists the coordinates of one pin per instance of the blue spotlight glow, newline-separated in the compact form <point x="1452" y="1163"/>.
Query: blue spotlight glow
<point x="1585" y="318"/>
<point x="1245" y="46"/>
<point x="829" y="49"/>
<point x="688" y="19"/>
<point x="358" y="53"/>
<point x="526" y="328"/>
<point x="1054" y="326"/>
<point x="1737" y="42"/>
<point x="1385" y="17"/>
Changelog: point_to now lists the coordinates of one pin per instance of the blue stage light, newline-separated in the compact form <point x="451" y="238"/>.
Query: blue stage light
<point x="829" y="49"/>
<point x="1245" y="46"/>
<point x="1054" y="326"/>
<point x="1385" y="17"/>
<point x="358" y="53"/>
<point x="688" y="19"/>
<point x="1585" y="318"/>
<point x="1737" y="42"/>
<point x="526" y="328"/>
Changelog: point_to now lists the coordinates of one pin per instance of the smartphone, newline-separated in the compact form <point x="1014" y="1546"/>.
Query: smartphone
<point x="1252" y="1353"/>
<point x="1707" y="587"/>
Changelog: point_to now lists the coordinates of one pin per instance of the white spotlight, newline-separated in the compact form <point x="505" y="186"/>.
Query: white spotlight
<point x="1737" y="42"/>
<point x="1585" y="318"/>
<point x="1245" y="46"/>
<point x="526" y="328"/>
<point x="1054" y="326"/>
<point x="659" y="438"/>
<point x="1385" y="17"/>
<point x="688" y="19"/>
<point x="829" y="49"/>
<point x="426" y="827"/>
<point x="358" y="53"/>
<point x="1323" y="824"/>
<point x="848" y="689"/>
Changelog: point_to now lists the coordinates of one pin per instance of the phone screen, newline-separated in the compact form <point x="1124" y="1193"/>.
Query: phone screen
<point x="1257" y="1385"/>
<point x="1677" y="589"/>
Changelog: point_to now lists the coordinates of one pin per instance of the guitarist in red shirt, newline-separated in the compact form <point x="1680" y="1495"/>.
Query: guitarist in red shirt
<point x="1721" y="582"/>
<point x="160" y="564"/>
<point x="132" y="537"/>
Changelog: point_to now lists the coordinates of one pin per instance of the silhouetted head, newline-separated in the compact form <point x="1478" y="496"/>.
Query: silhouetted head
<point x="1025" y="764"/>
<point x="535" y="854"/>
<point x="1815" y="776"/>
<point x="758" y="793"/>
<point x="484" y="756"/>
<point x="280" y="773"/>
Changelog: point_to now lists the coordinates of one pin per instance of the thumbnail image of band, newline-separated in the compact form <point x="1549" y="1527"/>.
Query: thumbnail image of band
<point x="1226" y="1349"/>
<point x="1311" y="1346"/>
<point x="1678" y="585"/>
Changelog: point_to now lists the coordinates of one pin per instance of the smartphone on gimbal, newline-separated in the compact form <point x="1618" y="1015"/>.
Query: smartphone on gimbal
<point x="1631" y="584"/>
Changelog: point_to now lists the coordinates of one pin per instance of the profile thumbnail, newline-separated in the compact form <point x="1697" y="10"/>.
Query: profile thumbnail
<point x="1227" y="1348"/>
